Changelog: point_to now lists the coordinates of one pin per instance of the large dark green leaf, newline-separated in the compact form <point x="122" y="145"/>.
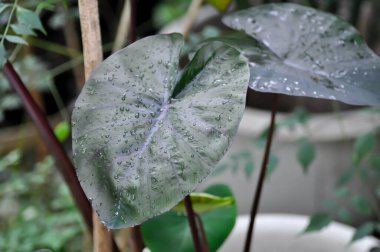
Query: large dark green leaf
<point x="170" y="231"/>
<point x="144" y="137"/>
<point x="310" y="53"/>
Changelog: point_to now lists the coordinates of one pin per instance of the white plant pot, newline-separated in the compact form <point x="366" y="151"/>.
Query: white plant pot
<point x="282" y="233"/>
<point x="289" y="189"/>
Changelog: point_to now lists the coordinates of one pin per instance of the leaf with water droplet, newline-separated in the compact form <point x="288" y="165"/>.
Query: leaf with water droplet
<point x="166" y="155"/>
<point x="308" y="53"/>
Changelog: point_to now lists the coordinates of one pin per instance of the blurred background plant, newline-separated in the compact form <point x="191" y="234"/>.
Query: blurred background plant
<point x="42" y="40"/>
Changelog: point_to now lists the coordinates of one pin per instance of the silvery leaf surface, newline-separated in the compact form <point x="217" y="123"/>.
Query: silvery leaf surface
<point x="145" y="135"/>
<point x="313" y="54"/>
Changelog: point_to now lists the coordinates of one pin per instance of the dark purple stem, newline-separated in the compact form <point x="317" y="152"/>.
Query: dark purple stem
<point x="137" y="239"/>
<point x="256" y="199"/>
<point x="193" y="224"/>
<point x="203" y="233"/>
<point x="62" y="160"/>
<point x="132" y="28"/>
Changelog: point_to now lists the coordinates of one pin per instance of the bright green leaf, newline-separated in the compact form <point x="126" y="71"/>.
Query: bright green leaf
<point x="62" y="131"/>
<point x="220" y="5"/>
<point x="16" y="39"/>
<point x="308" y="53"/>
<point x="362" y="205"/>
<point x="318" y="222"/>
<point x="22" y="29"/>
<point x="171" y="232"/>
<point x="363" y="146"/>
<point x="144" y="137"/>
<point x="363" y="231"/>
<point x="305" y="153"/>
<point x="29" y="18"/>
<point x="203" y="202"/>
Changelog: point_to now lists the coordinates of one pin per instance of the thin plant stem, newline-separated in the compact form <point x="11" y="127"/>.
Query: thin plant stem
<point x="123" y="27"/>
<point x="190" y="16"/>
<point x="192" y="224"/>
<point x="62" y="160"/>
<point x="58" y="100"/>
<point x="9" y="22"/>
<point x="53" y="47"/>
<point x="205" y="247"/>
<point x="93" y="56"/>
<point x="355" y="11"/>
<point x="137" y="239"/>
<point x="264" y="165"/>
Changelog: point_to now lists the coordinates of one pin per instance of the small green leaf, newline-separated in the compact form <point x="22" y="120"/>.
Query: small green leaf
<point x="220" y="5"/>
<point x="16" y="39"/>
<point x="341" y="192"/>
<point x="318" y="222"/>
<point x="346" y="177"/>
<point x="363" y="146"/>
<point x="30" y="19"/>
<point x="329" y="204"/>
<point x="3" y="56"/>
<point x="362" y="205"/>
<point x="22" y="29"/>
<point x="344" y="215"/>
<point x="262" y="139"/>
<point x="204" y="202"/>
<point x="219" y="169"/>
<point x="363" y="231"/>
<point x="272" y="165"/>
<point x="305" y="153"/>
<point x="62" y="131"/>
<point x="248" y="168"/>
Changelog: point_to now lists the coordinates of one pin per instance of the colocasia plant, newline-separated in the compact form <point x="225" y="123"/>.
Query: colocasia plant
<point x="147" y="132"/>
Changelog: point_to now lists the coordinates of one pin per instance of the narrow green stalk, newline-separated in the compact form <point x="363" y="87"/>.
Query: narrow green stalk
<point x="53" y="47"/>
<point x="58" y="100"/>
<point x="9" y="22"/>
